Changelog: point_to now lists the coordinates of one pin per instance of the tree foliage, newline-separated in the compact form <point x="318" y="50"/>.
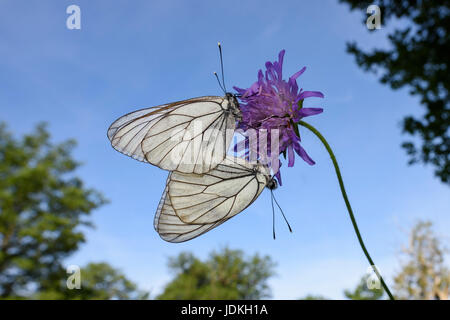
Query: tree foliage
<point x="43" y="206"/>
<point x="419" y="60"/>
<point x="314" y="297"/>
<point x="362" y="291"/>
<point x="226" y="274"/>
<point x="99" y="281"/>
<point x="423" y="274"/>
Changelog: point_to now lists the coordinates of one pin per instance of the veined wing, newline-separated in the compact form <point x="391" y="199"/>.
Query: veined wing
<point x="127" y="132"/>
<point x="218" y="194"/>
<point x="190" y="136"/>
<point x="170" y="228"/>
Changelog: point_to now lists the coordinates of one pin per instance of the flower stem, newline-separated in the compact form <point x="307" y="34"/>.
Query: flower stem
<point x="347" y="202"/>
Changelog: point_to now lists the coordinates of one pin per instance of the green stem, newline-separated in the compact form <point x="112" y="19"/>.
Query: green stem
<point x="347" y="203"/>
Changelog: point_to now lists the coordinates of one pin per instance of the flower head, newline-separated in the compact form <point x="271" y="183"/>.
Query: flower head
<point x="273" y="103"/>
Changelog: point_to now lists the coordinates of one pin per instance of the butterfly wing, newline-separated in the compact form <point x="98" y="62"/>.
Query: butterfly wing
<point x="170" y="228"/>
<point x="189" y="136"/>
<point x="218" y="194"/>
<point x="127" y="132"/>
<point x="248" y="181"/>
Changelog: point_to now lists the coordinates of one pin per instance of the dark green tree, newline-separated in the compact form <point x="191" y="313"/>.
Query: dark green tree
<point x="98" y="281"/>
<point x="362" y="291"/>
<point x="42" y="207"/>
<point x="226" y="274"/>
<point x="418" y="59"/>
<point x="314" y="297"/>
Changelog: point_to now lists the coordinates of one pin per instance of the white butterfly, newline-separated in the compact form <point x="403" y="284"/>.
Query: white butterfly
<point x="193" y="204"/>
<point x="189" y="136"/>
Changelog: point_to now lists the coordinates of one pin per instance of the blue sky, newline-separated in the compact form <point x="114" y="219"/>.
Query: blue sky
<point x="133" y="54"/>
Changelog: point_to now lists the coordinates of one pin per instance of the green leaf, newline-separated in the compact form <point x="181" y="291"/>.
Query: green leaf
<point x="295" y="126"/>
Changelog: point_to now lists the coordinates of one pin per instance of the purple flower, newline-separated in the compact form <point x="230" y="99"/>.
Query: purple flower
<point x="273" y="103"/>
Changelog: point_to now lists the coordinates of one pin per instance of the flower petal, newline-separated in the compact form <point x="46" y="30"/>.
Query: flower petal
<point x="297" y="74"/>
<point x="278" y="176"/>
<point x="309" y="94"/>
<point x="302" y="153"/>
<point x="306" y="112"/>
<point x="291" y="156"/>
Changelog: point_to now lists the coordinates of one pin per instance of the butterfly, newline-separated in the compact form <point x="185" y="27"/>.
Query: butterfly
<point x="193" y="204"/>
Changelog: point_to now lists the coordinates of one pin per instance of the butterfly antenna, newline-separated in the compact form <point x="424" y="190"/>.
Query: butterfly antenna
<point x="220" y="85"/>
<point x="221" y="66"/>
<point x="289" y="226"/>
<point x="273" y="215"/>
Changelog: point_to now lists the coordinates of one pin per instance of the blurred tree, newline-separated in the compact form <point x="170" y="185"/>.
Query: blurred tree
<point x="418" y="59"/>
<point x="314" y="297"/>
<point x="98" y="281"/>
<point x="226" y="274"/>
<point x="362" y="291"/>
<point x="42" y="207"/>
<point x="424" y="274"/>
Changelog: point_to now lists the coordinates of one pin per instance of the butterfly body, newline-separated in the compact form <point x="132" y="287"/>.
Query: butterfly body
<point x="233" y="108"/>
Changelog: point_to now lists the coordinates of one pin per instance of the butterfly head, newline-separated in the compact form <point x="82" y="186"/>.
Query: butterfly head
<point x="272" y="184"/>
<point x="264" y="170"/>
